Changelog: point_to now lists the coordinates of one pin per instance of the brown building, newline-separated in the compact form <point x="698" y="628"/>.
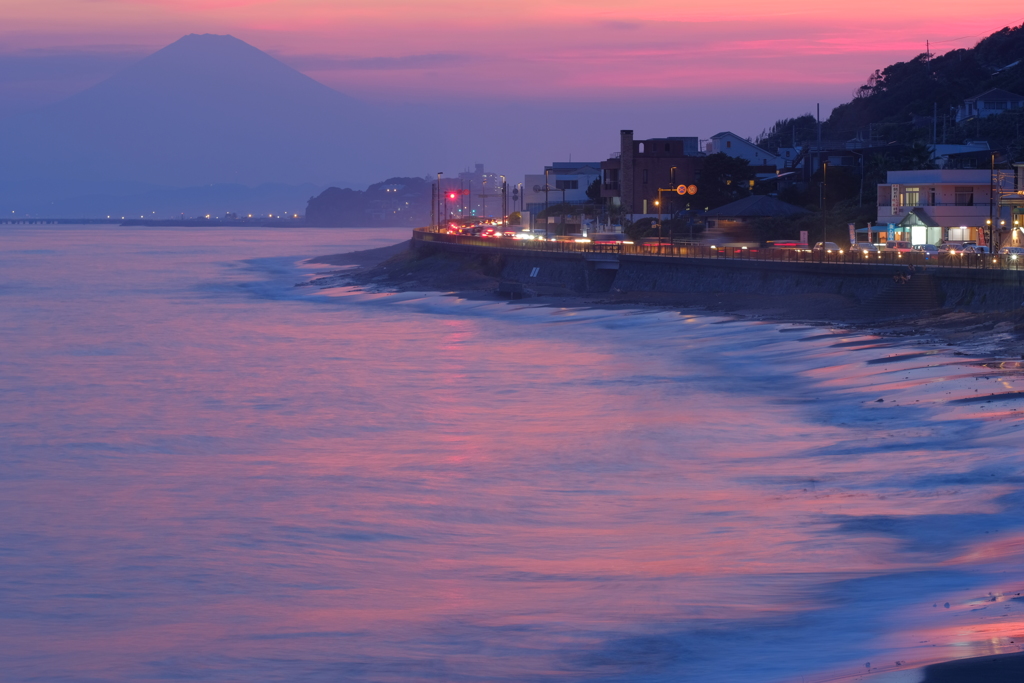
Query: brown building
<point x="645" y="166"/>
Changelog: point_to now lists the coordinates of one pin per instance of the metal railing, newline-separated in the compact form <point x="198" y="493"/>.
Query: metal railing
<point x="858" y="257"/>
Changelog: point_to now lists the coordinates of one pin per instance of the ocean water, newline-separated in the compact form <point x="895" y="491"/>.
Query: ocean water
<point x="209" y="474"/>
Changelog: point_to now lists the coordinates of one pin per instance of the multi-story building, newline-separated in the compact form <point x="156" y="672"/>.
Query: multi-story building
<point x="633" y="179"/>
<point x="478" y="193"/>
<point x="929" y="206"/>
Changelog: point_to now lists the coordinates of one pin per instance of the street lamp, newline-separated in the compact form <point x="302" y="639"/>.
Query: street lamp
<point x="657" y="203"/>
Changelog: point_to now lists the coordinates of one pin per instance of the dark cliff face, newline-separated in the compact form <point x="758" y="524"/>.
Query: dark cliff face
<point x="396" y="202"/>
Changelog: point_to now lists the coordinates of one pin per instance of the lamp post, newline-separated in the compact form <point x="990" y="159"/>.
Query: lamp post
<point x="657" y="203"/>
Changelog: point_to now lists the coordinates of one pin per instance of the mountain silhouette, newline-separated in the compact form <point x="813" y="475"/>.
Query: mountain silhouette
<point x="207" y="109"/>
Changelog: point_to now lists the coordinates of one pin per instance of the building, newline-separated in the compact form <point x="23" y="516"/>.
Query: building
<point x="566" y="181"/>
<point x="633" y="179"/>
<point x="735" y="146"/>
<point x="478" y="193"/>
<point x="990" y="103"/>
<point x="931" y="206"/>
<point x="734" y="222"/>
<point x="973" y="154"/>
<point x="788" y="156"/>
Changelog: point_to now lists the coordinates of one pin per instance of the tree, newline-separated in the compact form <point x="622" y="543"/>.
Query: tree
<point x="594" y="191"/>
<point x="721" y="180"/>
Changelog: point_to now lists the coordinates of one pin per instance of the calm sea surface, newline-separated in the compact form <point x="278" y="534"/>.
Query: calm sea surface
<point x="209" y="474"/>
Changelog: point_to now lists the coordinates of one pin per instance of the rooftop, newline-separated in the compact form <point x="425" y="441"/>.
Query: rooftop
<point x="757" y="206"/>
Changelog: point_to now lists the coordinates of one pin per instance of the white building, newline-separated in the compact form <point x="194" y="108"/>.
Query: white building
<point x="735" y="146"/>
<point x="989" y="103"/>
<point x="572" y="177"/>
<point x="927" y="207"/>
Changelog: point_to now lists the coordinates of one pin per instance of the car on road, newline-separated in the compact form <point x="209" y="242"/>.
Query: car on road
<point x="898" y="245"/>
<point x="826" y="247"/>
<point x="1011" y="251"/>
<point x="865" y="248"/>
<point x="956" y="247"/>
<point x="976" y="249"/>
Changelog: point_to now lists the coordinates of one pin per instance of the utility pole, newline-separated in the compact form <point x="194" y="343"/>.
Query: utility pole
<point x="819" y="127"/>
<point x="504" y="202"/>
<point x="546" y="221"/>
<point x="991" y="216"/>
<point x="438" y="198"/>
<point x="824" y="204"/>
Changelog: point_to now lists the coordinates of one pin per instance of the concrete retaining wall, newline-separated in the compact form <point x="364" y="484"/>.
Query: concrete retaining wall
<point x="980" y="290"/>
<point x="651" y="274"/>
<point x="962" y="288"/>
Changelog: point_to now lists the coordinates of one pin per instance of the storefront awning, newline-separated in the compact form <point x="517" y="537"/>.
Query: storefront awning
<point x="918" y="217"/>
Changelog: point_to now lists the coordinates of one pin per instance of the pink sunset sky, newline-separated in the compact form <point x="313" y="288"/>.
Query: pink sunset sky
<point x="555" y="49"/>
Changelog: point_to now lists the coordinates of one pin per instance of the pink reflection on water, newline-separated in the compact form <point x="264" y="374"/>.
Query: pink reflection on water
<point x="240" y="487"/>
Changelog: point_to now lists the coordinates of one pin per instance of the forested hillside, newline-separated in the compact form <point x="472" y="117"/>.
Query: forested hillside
<point x="897" y="103"/>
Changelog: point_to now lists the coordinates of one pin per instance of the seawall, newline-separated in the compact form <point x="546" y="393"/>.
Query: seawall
<point x="949" y="287"/>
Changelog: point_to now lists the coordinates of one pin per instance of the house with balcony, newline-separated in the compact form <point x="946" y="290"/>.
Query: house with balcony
<point x="954" y="205"/>
<point x="989" y="103"/>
